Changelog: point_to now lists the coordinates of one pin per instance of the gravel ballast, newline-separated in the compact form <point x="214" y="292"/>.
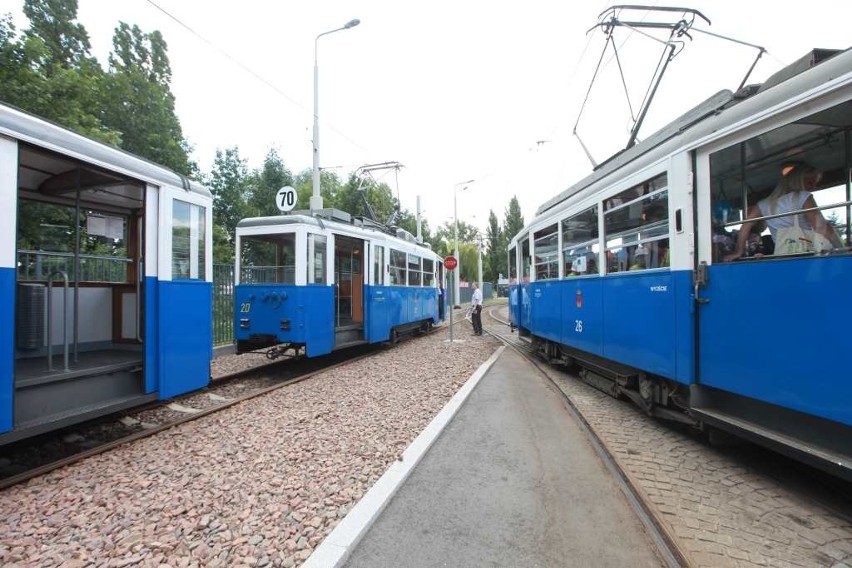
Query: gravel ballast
<point x="258" y="484"/>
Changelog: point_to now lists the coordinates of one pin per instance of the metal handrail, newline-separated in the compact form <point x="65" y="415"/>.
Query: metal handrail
<point x="64" y="276"/>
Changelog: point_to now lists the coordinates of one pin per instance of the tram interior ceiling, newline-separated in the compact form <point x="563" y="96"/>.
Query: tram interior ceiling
<point x="80" y="294"/>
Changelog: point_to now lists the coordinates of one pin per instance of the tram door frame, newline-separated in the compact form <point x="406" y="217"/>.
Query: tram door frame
<point x="350" y="289"/>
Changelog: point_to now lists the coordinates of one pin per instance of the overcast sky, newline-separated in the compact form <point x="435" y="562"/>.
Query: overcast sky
<point x="452" y="89"/>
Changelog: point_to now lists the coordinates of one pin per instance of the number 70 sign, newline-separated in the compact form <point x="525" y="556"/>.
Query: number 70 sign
<point x="285" y="199"/>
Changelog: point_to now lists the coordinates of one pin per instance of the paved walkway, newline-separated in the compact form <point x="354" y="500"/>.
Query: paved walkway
<point x="511" y="481"/>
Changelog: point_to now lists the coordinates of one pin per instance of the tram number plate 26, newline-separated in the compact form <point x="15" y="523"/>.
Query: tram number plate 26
<point x="578" y="326"/>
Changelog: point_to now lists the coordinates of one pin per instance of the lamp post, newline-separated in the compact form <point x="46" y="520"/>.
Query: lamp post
<point x="316" y="197"/>
<point x="456" y="236"/>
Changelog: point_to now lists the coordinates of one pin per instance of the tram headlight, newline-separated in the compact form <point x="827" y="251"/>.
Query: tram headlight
<point x="244" y="323"/>
<point x="285" y="325"/>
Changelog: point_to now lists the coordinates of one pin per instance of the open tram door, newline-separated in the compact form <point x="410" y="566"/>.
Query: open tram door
<point x="349" y="263"/>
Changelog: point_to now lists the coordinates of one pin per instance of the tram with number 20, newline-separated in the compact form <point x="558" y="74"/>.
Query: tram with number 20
<point x="634" y="273"/>
<point x="311" y="282"/>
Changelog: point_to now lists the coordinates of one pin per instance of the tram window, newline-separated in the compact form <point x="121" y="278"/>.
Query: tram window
<point x="45" y="243"/>
<point x="428" y="272"/>
<point x="546" y="259"/>
<point x="513" y="266"/>
<point x="798" y="172"/>
<point x="580" y="245"/>
<point x="526" y="261"/>
<point x="189" y="229"/>
<point x="379" y="266"/>
<point x="268" y="259"/>
<point x="636" y="226"/>
<point x="397" y="268"/>
<point x="317" y="251"/>
<point x="414" y="270"/>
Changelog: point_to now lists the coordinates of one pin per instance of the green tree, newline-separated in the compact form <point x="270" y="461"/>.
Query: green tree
<point x="495" y="256"/>
<point x="49" y="72"/>
<point x="272" y="176"/>
<point x="513" y="222"/>
<point x="229" y="183"/>
<point x="138" y="100"/>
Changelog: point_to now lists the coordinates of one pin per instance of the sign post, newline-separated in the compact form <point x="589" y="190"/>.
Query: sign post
<point x="450" y="263"/>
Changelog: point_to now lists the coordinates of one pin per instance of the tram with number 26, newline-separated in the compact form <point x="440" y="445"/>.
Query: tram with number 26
<point x="667" y="277"/>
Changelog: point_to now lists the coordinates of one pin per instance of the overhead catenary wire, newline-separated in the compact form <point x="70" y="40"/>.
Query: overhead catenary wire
<point x="251" y="72"/>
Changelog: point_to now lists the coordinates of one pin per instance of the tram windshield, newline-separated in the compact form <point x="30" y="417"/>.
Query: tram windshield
<point x="268" y="259"/>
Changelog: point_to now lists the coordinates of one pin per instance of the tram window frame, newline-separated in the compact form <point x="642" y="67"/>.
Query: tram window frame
<point x="415" y="270"/>
<point x="641" y="240"/>
<point x="526" y="259"/>
<point x="317" y="246"/>
<point x="379" y="266"/>
<point x="580" y="253"/>
<point x="189" y="232"/>
<point x="546" y="247"/>
<point x="513" y="265"/>
<point x="429" y="273"/>
<point x="750" y="170"/>
<point x="283" y="249"/>
<point x="45" y="243"/>
<point x="397" y="267"/>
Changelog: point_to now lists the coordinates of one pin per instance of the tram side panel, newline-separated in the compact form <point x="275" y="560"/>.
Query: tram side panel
<point x="8" y="207"/>
<point x="639" y="321"/>
<point x="773" y="331"/>
<point x="186" y="336"/>
<point x="546" y="309"/>
<point x="582" y="314"/>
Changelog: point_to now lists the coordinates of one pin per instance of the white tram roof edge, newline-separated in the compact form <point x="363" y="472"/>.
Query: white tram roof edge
<point x="26" y="127"/>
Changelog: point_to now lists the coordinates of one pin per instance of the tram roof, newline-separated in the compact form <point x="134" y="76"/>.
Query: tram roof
<point x="40" y="132"/>
<point x="355" y="226"/>
<point x="710" y="108"/>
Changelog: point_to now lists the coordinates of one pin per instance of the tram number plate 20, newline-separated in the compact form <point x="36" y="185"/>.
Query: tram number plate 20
<point x="245" y="307"/>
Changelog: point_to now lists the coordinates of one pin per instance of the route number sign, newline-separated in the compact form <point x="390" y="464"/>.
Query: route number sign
<point x="285" y="199"/>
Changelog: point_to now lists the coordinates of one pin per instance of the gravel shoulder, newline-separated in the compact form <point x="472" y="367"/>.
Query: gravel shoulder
<point x="258" y="484"/>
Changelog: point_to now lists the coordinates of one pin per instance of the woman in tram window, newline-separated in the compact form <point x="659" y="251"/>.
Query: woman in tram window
<point x="793" y="193"/>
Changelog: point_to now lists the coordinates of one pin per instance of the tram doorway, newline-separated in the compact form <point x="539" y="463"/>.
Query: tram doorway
<point x="79" y="321"/>
<point x="349" y="265"/>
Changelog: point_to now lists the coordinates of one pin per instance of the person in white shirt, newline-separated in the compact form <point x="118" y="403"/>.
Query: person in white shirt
<point x="792" y="194"/>
<point x="476" y="310"/>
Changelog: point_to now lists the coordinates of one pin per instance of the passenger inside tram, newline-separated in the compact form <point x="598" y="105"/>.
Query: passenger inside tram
<point x="803" y="230"/>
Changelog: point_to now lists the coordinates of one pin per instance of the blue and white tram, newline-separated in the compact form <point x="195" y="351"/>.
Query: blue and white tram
<point x="105" y="279"/>
<point x="633" y="273"/>
<point x="314" y="284"/>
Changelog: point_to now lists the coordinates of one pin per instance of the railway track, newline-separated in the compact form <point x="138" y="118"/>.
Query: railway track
<point x="734" y="503"/>
<point x="42" y="454"/>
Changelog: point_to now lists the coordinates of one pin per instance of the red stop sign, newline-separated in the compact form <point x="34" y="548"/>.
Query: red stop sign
<point x="450" y="263"/>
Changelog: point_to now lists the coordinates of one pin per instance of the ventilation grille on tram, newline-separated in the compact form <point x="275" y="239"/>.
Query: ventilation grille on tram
<point x="30" y="324"/>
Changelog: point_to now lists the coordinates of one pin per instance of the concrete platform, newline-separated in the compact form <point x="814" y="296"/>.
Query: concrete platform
<point x="511" y="481"/>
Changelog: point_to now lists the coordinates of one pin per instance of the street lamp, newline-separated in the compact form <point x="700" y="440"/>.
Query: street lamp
<point x="316" y="198"/>
<point x="456" y="236"/>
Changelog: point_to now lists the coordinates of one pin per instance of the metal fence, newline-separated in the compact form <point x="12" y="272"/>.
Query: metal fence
<point x="40" y="265"/>
<point x="223" y="304"/>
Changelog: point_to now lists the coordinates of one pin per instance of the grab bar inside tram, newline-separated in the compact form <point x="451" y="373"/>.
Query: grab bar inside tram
<point x="64" y="276"/>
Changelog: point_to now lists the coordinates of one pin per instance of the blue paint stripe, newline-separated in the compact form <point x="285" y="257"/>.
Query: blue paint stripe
<point x="7" y="347"/>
